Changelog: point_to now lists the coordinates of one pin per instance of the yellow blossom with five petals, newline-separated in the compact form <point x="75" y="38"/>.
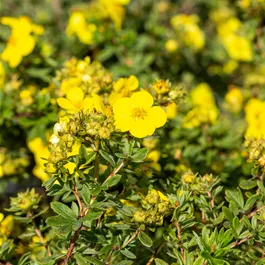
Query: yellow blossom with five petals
<point x="138" y="115"/>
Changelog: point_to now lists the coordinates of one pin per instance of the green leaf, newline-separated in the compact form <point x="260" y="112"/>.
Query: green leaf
<point x="140" y="155"/>
<point x="63" y="210"/>
<point x="80" y="260"/>
<point x="248" y="184"/>
<point x="91" y="216"/>
<point x="235" y="197"/>
<point x="145" y="239"/>
<point x="59" y="221"/>
<point x="125" y="262"/>
<point x="228" y="214"/>
<point x="107" y="157"/>
<point x="199" y="261"/>
<point x="112" y="181"/>
<point x="128" y="254"/>
<point x="251" y="201"/>
<point x="87" y="260"/>
<point x="160" y="262"/>
<point x="85" y="193"/>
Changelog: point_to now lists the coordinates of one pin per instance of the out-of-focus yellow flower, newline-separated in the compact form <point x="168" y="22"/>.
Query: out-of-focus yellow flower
<point x="26" y="96"/>
<point x="188" y="30"/>
<point x="123" y="88"/>
<point x="234" y="99"/>
<point x="204" y="110"/>
<point x="230" y="66"/>
<point x="115" y="10"/>
<point x="6" y="225"/>
<point x="238" y="48"/>
<point x="150" y="142"/>
<point x="76" y="101"/>
<point x="171" y="45"/>
<point x="221" y="14"/>
<point x="20" y="42"/>
<point x="228" y="27"/>
<point x="202" y="95"/>
<point x="137" y="115"/>
<point x="171" y="110"/>
<point x="70" y="166"/>
<point x="77" y="26"/>
<point x="69" y="83"/>
<point x="153" y="157"/>
<point x="2" y="75"/>
<point x="255" y="117"/>
<point x="40" y="150"/>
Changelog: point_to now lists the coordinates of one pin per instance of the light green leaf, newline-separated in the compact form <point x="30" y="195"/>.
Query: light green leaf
<point x="145" y="239"/>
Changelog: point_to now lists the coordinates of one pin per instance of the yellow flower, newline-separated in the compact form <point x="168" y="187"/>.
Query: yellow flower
<point x="230" y="66"/>
<point x="6" y="225"/>
<point x="228" y="27"/>
<point x="26" y="97"/>
<point x="78" y="26"/>
<point x="2" y="75"/>
<point x="40" y="150"/>
<point x="234" y="99"/>
<point x="70" y="166"/>
<point x="188" y="30"/>
<point x="238" y="48"/>
<point x="115" y="10"/>
<point x="136" y="114"/>
<point x="69" y="83"/>
<point x="76" y="101"/>
<point x="171" y="110"/>
<point x="204" y="110"/>
<point x="255" y="117"/>
<point x="123" y="88"/>
<point x="171" y="45"/>
<point x="20" y="43"/>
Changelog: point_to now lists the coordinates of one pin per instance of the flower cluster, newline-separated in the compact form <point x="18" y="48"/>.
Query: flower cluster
<point x="204" y="108"/>
<point x="20" y="42"/>
<point x="155" y="206"/>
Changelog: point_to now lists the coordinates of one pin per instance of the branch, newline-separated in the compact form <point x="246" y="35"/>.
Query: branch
<point x="237" y="243"/>
<point x="72" y="245"/>
<point x="149" y="262"/>
<point x="38" y="232"/>
<point x="76" y="234"/>
<point x="114" y="172"/>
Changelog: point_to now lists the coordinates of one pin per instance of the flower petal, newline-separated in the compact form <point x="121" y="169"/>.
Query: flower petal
<point x="142" y="128"/>
<point x="122" y="105"/>
<point x="75" y="95"/>
<point x="157" y="116"/>
<point x="65" y="103"/>
<point x="132" y="83"/>
<point x="142" y="99"/>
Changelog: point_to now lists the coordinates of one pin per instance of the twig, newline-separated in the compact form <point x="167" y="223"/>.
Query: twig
<point x="131" y="239"/>
<point x="179" y="237"/>
<point x="255" y="211"/>
<point x="149" y="262"/>
<point x="38" y="232"/>
<point x="237" y="243"/>
<point x="115" y="171"/>
<point x="78" y="200"/>
<point x="76" y="234"/>
<point x="212" y="203"/>
<point x="72" y="245"/>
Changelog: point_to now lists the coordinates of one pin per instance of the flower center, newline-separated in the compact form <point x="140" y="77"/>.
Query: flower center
<point x="139" y="113"/>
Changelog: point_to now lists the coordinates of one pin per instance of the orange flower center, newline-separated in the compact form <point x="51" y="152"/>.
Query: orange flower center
<point x="139" y="113"/>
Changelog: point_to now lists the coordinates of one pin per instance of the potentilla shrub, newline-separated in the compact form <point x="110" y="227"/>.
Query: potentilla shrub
<point x="111" y="203"/>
